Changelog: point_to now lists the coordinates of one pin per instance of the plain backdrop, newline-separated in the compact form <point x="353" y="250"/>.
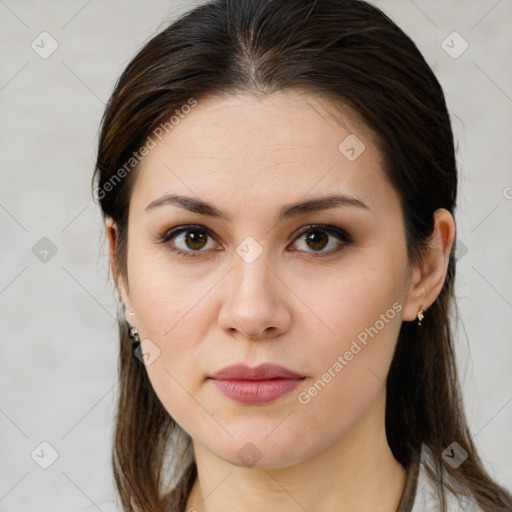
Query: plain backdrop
<point x="58" y="314"/>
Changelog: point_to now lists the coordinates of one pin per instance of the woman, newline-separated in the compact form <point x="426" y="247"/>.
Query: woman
<point x="278" y="184"/>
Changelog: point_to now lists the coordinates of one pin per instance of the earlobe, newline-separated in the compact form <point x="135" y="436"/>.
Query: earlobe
<point x="416" y="294"/>
<point x="428" y="277"/>
<point x="123" y="294"/>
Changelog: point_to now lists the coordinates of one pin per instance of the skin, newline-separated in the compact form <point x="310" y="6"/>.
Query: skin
<point x="249" y="158"/>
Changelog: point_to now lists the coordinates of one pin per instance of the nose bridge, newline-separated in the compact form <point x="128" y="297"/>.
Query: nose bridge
<point x="253" y="302"/>
<point x="251" y="272"/>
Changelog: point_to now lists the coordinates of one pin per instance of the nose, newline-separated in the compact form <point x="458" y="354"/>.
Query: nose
<point x="254" y="300"/>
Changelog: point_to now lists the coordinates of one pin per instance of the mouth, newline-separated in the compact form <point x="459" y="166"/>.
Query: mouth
<point x="256" y="385"/>
<point x="265" y="371"/>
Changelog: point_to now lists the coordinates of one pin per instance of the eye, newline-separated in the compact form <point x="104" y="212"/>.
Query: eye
<point x="188" y="240"/>
<point x="318" y="237"/>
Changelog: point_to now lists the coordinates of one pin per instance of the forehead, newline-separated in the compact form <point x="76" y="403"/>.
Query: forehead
<point x="280" y="148"/>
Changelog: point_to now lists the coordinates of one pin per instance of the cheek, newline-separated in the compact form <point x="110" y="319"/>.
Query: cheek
<point x="367" y="293"/>
<point x="350" y="372"/>
<point x="169" y="300"/>
<point x="174" y="313"/>
<point x="362" y="310"/>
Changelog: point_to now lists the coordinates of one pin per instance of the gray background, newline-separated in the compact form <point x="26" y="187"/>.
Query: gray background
<point x="58" y="329"/>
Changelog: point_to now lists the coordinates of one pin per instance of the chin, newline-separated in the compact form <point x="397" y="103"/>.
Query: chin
<point x="257" y="452"/>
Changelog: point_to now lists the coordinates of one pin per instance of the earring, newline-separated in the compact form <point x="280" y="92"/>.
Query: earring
<point x="132" y="312"/>
<point x="420" y="314"/>
<point x="134" y="336"/>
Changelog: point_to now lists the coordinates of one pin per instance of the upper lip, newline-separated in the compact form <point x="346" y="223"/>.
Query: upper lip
<point x="261" y="372"/>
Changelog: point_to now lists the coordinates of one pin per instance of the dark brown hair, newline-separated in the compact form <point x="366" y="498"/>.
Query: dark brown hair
<point x="350" y="53"/>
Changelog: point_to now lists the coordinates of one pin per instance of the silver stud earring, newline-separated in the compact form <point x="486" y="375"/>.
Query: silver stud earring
<point x="132" y="312"/>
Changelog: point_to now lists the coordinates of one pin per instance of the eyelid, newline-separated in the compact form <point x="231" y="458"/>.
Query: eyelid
<point x="171" y="233"/>
<point x="328" y="228"/>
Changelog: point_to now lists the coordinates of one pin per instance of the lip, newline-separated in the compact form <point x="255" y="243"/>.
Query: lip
<point x="263" y="371"/>
<point x="256" y="385"/>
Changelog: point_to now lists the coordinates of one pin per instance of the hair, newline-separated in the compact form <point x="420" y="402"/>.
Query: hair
<point x="349" y="53"/>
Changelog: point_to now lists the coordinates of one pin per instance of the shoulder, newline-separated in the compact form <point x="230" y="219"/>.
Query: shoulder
<point x="428" y="498"/>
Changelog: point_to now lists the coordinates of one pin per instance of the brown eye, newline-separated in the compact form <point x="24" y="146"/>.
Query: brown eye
<point x="318" y="237"/>
<point x="188" y="240"/>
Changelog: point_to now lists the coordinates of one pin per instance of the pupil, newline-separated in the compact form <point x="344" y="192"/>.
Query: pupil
<point x="195" y="239"/>
<point x="316" y="240"/>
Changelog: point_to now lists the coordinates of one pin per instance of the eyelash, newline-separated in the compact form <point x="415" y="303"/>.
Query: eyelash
<point x="339" y="233"/>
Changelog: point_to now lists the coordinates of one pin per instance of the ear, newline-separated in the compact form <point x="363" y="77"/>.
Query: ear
<point x="112" y="237"/>
<point x="428" y="277"/>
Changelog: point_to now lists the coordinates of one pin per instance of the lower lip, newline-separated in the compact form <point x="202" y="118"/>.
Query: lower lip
<point x="254" y="392"/>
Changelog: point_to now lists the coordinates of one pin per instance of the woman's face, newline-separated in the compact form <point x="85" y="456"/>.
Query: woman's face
<point x="326" y="304"/>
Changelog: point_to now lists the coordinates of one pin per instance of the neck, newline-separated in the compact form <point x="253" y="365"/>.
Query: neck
<point x="357" y="472"/>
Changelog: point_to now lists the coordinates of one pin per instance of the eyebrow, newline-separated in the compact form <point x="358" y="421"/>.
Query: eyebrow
<point x="291" y="210"/>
